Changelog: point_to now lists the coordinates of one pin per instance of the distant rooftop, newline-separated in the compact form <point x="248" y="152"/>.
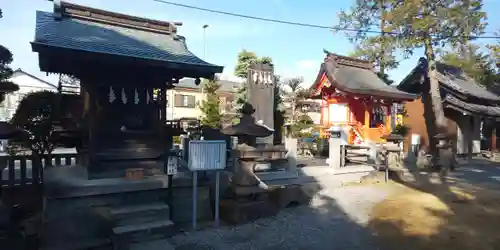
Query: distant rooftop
<point x="225" y="86"/>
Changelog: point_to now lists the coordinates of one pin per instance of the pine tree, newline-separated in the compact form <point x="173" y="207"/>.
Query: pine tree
<point x="377" y="48"/>
<point x="495" y="52"/>
<point x="245" y="59"/>
<point x="210" y="107"/>
<point x="472" y="61"/>
<point x="430" y="25"/>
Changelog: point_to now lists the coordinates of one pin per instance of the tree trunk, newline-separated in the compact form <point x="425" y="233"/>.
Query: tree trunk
<point x="433" y="111"/>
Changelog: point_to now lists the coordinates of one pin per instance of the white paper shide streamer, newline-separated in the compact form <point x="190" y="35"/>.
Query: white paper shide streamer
<point x="124" y="96"/>
<point x="112" y="96"/>
<point x="255" y="76"/>
<point x="148" y="98"/>
<point x="136" y="97"/>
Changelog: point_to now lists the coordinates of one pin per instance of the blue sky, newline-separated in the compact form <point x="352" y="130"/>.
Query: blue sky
<point x="296" y="51"/>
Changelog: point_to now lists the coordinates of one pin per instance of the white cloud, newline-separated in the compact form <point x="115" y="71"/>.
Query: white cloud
<point x="230" y="77"/>
<point x="307" y="64"/>
<point x="308" y="69"/>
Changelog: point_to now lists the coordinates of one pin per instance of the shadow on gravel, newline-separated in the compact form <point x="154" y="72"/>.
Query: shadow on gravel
<point x="457" y="210"/>
<point x="322" y="224"/>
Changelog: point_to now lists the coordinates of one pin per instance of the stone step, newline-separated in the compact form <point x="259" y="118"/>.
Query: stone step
<point x="95" y="244"/>
<point x="124" y="236"/>
<point x="138" y="214"/>
<point x="152" y="245"/>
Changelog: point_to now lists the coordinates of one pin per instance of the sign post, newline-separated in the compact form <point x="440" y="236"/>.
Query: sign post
<point x="172" y="166"/>
<point x="206" y="155"/>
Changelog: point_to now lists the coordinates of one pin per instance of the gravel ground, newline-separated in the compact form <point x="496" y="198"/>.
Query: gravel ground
<point x="334" y="220"/>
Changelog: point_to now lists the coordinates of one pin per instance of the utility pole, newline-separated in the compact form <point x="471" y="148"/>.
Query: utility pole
<point x="205" y="26"/>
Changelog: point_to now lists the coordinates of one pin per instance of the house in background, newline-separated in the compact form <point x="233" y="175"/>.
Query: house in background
<point x="309" y="107"/>
<point x="27" y="83"/>
<point x="187" y="98"/>
<point x="466" y="105"/>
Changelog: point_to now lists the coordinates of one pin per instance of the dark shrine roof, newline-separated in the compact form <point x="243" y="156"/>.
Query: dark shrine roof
<point x="78" y="28"/>
<point x="357" y="77"/>
<point x="457" y="80"/>
<point x="449" y="77"/>
<point x="454" y="103"/>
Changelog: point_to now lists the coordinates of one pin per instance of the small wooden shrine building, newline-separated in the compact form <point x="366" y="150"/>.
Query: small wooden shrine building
<point x="466" y="106"/>
<point x="125" y="65"/>
<point x="355" y="98"/>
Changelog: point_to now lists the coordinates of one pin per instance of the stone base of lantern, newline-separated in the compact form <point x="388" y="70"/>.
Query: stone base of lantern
<point x="249" y="203"/>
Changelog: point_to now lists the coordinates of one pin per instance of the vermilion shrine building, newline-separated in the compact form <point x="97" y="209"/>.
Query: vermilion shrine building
<point x="355" y="98"/>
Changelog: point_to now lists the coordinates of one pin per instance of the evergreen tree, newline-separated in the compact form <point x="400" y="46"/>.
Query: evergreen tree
<point x="432" y="24"/>
<point x="377" y="48"/>
<point x="210" y="107"/>
<point x="294" y="95"/>
<point x="472" y="61"/>
<point x="36" y="114"/>
<point x="279" y="109"/>
<point x="245" y="59"/>
<point x="427" y="24"/>
<point x="495" y="53"/>
<point x="5" y="71"/>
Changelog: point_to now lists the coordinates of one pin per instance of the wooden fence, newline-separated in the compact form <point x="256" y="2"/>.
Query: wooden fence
<point x="21" y="170"/>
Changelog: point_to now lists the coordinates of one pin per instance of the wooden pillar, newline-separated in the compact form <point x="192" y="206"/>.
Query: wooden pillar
<point x="494" y="138"/>
<point x="470" y="136"/>
<point x="321" y="119"/>
<point x="367" y="120"/>
<point x="388" y="118"/>
<point x="92" y="117"/>
<point x="163" y="104"/>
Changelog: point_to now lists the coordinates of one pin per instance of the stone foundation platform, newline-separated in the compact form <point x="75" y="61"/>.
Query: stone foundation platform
<point x="266" y="203"/>
<point x="77" y="213"/>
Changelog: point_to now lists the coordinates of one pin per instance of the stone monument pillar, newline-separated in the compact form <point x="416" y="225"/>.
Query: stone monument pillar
<point x="336" y="157"/>
<point x="260" y="93"/>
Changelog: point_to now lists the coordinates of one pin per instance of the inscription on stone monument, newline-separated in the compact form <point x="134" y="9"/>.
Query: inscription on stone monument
<point x="260" y="82"/>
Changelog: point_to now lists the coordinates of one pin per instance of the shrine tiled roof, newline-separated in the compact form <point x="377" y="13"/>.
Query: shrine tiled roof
<point x="452" y="78"/>
<point x="459" y="105"/>
<point x="456" y="79"/>
<point x="80" y="28"/>
<point x="357" y="77"/>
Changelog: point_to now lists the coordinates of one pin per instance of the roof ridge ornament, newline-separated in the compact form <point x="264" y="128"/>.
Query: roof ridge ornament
<point x="57" y="10"/>
<point x="65" y="9"/>
<point x="340" y="60"/>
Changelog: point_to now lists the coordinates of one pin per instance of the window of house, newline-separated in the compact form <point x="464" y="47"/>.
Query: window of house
<point x="378" y="116"/>
<point x="184" y="101"/>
